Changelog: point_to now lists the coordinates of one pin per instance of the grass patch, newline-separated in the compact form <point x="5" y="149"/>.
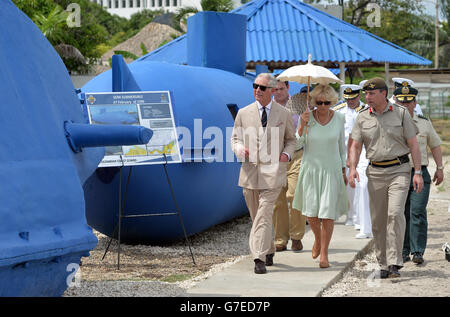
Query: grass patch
<point x="176" y="278"/>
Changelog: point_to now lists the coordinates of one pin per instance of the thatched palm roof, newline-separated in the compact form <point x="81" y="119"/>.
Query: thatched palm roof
<point x="152" y="36"/>
<point x="67" y="51"/>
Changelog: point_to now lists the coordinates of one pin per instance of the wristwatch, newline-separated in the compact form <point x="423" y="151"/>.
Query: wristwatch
<point x="440" y="167"/>
<point x="418" y="172"/>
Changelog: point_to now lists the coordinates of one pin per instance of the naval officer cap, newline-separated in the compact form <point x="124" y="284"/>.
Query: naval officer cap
<point x="375" y="83"/>
<point x="402" y="82"/>
<point x="351" y="91"/>
<point x="362" y="82"/>
<point x="405" y="93"/>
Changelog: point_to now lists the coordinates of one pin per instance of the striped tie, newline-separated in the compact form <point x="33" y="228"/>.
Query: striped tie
<point x="264" y="118"/>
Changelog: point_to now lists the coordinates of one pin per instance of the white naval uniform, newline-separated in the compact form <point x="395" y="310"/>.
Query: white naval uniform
<point x="359" y="212"/>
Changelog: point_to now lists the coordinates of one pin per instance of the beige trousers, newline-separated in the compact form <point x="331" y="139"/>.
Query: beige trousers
<point x="260" y="205"/>
<point x="388" y="190"/>
<point x="288" y="222"/>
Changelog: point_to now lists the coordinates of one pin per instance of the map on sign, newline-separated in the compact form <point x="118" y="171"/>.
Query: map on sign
<point x="150" y="109"/>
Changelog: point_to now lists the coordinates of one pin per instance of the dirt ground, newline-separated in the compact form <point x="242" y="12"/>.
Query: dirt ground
<point x="430" y="279"/>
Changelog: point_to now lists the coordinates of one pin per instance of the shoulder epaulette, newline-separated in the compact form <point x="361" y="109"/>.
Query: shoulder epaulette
<point x="340" y="106"/>
<point x="366" y="108"/>
<point x="422" y="117"/>
<point x="360" y="108"/>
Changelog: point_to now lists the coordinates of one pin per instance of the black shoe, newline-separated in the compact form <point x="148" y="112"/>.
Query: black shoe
<point x="269" y="259"/>
<point x="384" y="273"/>
<point x="417" y="258"/>
<point x="260" y="267"/>
<point x="393" y="271"/>
<point x="406" y="258"/>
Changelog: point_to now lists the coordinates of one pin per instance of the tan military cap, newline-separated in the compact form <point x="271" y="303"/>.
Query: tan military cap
<point x="375" y="83"/>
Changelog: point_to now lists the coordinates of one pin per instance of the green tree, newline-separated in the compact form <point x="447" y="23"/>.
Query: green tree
<point x="52" y="25"/>
<point x="217" y="5"/>
<point x="33" y="7"/>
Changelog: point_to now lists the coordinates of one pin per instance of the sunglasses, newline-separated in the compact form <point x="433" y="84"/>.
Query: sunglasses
<point x="326" y="103"/>
<point x="263" y="88"/>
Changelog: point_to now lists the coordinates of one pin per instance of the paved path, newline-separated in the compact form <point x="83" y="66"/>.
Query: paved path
<point x="293" y="274"/>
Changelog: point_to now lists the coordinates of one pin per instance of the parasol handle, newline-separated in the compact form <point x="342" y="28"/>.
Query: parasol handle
<point x="307" y="97"/>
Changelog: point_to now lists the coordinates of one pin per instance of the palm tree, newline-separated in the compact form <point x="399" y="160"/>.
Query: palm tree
<point x="51" y="26"/>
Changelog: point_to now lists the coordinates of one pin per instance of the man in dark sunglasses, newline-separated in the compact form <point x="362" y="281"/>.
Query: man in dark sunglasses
<point x="263" y="139"/>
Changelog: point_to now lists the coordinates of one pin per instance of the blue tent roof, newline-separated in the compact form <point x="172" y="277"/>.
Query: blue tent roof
<point x="283" y="32"/>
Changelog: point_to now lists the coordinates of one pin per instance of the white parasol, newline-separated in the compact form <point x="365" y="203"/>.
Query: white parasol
<point x="309" y="74"/>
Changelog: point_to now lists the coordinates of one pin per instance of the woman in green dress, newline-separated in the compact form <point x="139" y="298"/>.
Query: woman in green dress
<point x="321" y="194"/>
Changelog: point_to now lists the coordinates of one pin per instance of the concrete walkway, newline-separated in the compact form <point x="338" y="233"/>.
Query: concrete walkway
<point x="293" y="274"/>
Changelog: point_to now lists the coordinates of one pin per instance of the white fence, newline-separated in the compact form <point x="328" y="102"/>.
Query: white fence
<point x="434" y="99"/>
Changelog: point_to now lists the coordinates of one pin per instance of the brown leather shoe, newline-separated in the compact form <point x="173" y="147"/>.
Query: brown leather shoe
<point x="297" y="245"/>
<point x="280" y="247"/>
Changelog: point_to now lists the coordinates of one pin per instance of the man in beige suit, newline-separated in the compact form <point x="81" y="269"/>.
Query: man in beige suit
<point x="263" y="139"/>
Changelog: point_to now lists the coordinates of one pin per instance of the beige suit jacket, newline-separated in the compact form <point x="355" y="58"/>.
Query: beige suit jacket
<point x="263" y="169"/>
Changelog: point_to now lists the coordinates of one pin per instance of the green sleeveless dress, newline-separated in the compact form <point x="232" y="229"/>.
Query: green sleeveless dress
<point x="321" y="190"/>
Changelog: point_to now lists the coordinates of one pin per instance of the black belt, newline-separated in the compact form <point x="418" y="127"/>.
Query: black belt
<point x="388" y="163"/>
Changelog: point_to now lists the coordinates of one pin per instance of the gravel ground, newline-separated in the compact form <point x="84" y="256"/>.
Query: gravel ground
<point x="168" y="270"/>
<point x="160" y="270"/>
<point x="430" y="279"/>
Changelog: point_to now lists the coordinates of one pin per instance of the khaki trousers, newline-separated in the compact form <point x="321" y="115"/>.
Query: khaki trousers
<point x="260" y="205"/>
<point x="289" y="222"/>
<point x="388" y="190"/>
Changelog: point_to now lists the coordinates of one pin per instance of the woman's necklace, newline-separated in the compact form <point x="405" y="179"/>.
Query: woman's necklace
<point x="326" y="120"/>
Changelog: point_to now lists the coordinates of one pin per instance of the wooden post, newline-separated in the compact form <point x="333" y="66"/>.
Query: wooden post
<point x="341" y="77"/>
<point x="386" y="74"/>
<point x="436" y="39"/>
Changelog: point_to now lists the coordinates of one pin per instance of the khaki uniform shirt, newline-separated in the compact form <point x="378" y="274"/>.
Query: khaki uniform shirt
<point x="427" y="137"/>
<point x="384" y="135"/>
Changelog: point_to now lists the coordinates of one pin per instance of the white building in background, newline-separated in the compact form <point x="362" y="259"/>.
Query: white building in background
<point x="125" y="8"/>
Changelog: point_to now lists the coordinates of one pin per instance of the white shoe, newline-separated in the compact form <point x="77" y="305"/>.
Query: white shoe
<point x="349" y="223"/>
<point x="363" y="236"/>
<point x="357" y="227"/>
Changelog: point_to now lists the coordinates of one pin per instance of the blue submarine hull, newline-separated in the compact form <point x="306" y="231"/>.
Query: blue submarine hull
<point x="43" y="227"/>
<point x="206" y="192"/>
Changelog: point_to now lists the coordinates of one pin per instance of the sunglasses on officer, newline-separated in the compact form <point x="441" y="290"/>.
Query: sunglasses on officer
<point x="263" y="88"/>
